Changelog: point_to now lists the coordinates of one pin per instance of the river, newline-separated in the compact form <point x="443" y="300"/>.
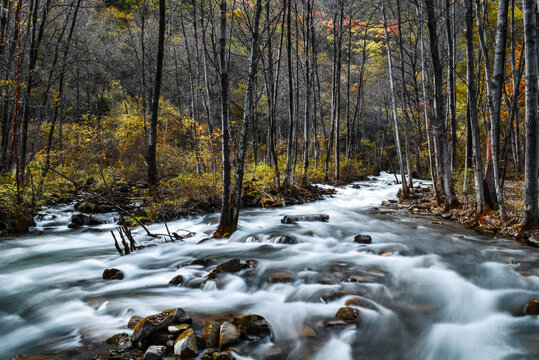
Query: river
<point x="430" y="296"/>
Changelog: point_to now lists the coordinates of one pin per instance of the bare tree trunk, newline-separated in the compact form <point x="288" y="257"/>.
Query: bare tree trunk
<point x="404" y="100"/>
<point x="225" y="223"/>
<point x="498" y="81"/>
<point x="306" y="121"/>
<point x="439" y="127"/>
<point x="531" y="209"/>
<point x="152" y="141"/>
<point x="405" y="189"/>
<point x="290" y="151"/>
<point x="451" y="84"/>
<point x="246" y="116"/>
<point x="472" y="109"/>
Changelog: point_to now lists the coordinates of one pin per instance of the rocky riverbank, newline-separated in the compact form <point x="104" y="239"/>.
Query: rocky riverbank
<point x="422" y="200"/>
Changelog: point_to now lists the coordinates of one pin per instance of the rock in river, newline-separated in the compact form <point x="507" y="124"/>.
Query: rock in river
<point x="347" y="314"/>
<point x="186" y="345"/>
<point x="363" y="239"/>
<point x="211" y="335"/>
<point x="292" y="219"/>
<point x="533" y="307"/>
<point x="229" y="335"/>
<point x="113" y="274"/>
<point x="154" y="323"/>
<point x="252" y="327"/>
<point x="154" y="352"/>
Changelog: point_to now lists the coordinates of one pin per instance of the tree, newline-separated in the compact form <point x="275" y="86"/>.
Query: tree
<point x="152" y="142"/>
<point x="531" y="209"/>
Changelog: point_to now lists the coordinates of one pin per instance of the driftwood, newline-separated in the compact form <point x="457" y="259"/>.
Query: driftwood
<point x="114" y="204"/>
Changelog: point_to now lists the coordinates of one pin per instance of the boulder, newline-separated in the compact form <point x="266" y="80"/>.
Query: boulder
<point x="228" y="335"/>
<point x="154" y="323"/>
<point x="280" y="277"/>
<point x="177" y="328"/>
<point x="533" y="307"/>
<point x="14" y="223"/>
<point x="231" y="266"/>
<point x="252" y="327"/>
<point x="215" y="355"/>
<point x="292" y="219"/>
<point x="363" y="239"/>
<point x="286" y="239"/>
<point x="154" y="352"/>
<point x="186" y="345"/>
<point x="176" y="280"/>
<point x="133" y="321"/>
<point x="113" y="274"/>
<point x="347" y="314"/>
<point x="211" y="335"/>
<point x="359" y="303"/>
<point x="92" y="207"/>
<point x="81" y="219"/>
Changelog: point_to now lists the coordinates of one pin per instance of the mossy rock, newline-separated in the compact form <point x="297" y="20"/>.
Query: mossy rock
<point x="14" y="223"/>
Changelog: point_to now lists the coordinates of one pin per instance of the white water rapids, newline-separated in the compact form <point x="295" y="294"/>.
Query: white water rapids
<point x="435" y="297"/>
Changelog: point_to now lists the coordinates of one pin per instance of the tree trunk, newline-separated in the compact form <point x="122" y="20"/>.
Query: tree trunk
<point x="531" y="209"/>
<point x="152" y="141"/>
<point x="472" y="109"/>
<point x="405" y="189"/>
<point x="498" y="81"/>
<point x="226" y="221"/>
<point x="439" y="127"/>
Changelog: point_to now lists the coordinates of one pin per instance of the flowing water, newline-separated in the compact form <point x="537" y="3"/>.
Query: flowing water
<point x="430" y="296"/>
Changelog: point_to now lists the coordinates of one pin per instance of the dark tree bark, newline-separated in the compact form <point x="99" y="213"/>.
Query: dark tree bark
<point x="152" y="141"/>
<point x="531" y="208"/>
<point x="440" y="119"/>
<point x="498" y="82"/>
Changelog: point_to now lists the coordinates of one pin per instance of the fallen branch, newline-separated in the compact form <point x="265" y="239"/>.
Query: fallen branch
<point x="114" y="204"/>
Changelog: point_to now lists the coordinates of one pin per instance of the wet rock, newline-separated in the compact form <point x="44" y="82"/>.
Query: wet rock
<point x="336" y="295"/>
<point x="533" y="241"/>
<point x="335" y="323"/>
<point x="363" y="239"/>
<point x="161" y="337"/>
<point x="392" y="201"/>
<point x="347" y="314"/>
<point x="252" y="327"/>
<point x="186" y="345"/>
<point x="447" y="215"/>
<point x="81" y="219"/>
<point x="228" y="335"/>
<point x="215" y="355"/>
<point x="14" y="223"/>
<point x="154" y="352"/>
<point x="177" y="328"/>
<point x="458" y="236"/>
<point x="154" y="323"/>
<point x="307" y="331"/>
<point x="533" y="307"/>
<point x="308" y="233"/>
<point x="356" y="186"/>
<point x="113" y="274"/>
<point x="133" y="321"/>
<point x="176" y="280"/>
<point x="231" y="266"/>
<point x="359" y="303"/>
<point x="286" y="239"/>
<point x="211" y="335"/>
<point x="91" y="207"/>
<point x="292" y="219"/>
<point x="115" y="339"/>
<point x="280" y="277"/>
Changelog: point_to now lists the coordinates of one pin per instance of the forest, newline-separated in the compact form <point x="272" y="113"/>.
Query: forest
<point x="264" y="179"/>
<point x="194" y="97"/>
